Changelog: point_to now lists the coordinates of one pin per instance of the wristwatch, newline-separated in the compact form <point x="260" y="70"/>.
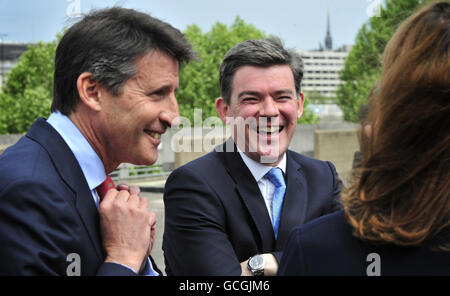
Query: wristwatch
<point x="256" y="264"/>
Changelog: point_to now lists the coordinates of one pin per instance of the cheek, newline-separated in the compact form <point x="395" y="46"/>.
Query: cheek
<point x="128" y="129"/>
<point x="246" y="111"/>
<point x="290" y="112"/>
<point x="143" y="114"/>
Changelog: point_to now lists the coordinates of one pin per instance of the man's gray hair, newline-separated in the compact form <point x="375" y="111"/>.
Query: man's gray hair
<point x="261" y="53"/>
<point x="107" y="43"/>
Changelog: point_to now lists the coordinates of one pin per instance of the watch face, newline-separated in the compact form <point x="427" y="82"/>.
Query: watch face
<point x="257" y="262"/>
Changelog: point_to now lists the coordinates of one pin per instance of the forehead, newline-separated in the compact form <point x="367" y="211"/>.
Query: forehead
<point x="156" y="62"/>
<point x="263" y="79"/>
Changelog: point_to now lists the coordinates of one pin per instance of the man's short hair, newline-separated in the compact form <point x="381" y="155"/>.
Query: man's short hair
<point x="261" y="53"/>
<point x="107" y="43"/>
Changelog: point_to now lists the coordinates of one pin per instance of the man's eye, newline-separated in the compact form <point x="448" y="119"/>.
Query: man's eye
<point x="161" y="92"/>
<point x="157" y="94"/>
<point x="249" y="99"/>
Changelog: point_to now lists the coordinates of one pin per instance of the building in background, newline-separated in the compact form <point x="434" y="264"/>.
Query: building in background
<point x="328" y="38"/>
<point x="321" y="75"/>
<point x="322" y="67"/>
<point x="321" y="70"/>
<point x="10" y="53"/>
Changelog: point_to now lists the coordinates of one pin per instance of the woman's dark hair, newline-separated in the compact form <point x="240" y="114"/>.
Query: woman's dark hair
<point x="403" y="193"/>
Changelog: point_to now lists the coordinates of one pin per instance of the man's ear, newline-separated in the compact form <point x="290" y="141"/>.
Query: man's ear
<point x="300" y="103"/>
<point x="89" y="91"/>
<point x="222" y="109"/>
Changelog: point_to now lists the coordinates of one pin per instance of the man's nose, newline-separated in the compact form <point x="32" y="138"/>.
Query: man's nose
<point x="269" y="108"/>
<point x="170" y="115"/>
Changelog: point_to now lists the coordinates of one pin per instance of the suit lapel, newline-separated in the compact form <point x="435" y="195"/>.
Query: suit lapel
<point x="295" y="201"/>
<point x="89" y="215"/>
<point x="70" y="171"/>
<point x="249" y="192"/>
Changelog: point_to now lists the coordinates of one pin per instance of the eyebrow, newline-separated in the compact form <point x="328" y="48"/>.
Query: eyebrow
<point x="248" y="92"/>
<point x="284" y="91"/>
<point x="255" y="93"/>
<point x="164" y="88"/>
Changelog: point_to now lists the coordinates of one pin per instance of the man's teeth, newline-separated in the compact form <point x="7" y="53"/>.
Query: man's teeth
<point x="153" y="134"/>
<point x="268" y="130"/>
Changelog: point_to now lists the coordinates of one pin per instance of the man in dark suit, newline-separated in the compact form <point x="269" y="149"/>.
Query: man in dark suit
<point x="242" y="199"/>
<point x="116" y="72"/>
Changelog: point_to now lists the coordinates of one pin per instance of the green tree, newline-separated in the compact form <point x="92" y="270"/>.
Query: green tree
<point x="199" y="81"/>
<point x="27" y="93"/>
<point x="317" y="98"/>
<point x="308" y="117"/>
<point x="363" y="65"/>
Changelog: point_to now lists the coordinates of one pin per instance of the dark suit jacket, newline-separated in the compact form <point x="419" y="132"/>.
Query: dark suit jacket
<point x="47" y="211"/>
<point x="326" y="246"/>
<point x="215" y="215"/>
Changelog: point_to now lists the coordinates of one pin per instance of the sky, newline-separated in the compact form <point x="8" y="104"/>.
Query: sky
<point x="300" y="24"/>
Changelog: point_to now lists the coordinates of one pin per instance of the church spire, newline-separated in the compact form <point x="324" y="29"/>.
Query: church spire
<point x="328" y="39"/>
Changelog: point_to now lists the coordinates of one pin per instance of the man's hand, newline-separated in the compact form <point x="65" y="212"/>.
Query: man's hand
<point x="270" y="268"/>
<point x="135" y="190"/>
<point x="126" y="225"/>
<point x="245" y="270"/>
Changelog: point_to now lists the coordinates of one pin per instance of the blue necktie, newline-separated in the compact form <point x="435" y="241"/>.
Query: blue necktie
<point x="275" y="175"/>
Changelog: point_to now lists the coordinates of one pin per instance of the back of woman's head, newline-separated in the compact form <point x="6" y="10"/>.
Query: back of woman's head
<point x="403" y="193"/>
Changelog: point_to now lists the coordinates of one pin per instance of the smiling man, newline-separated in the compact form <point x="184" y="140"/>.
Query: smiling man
<point x="241" y="200"/>
<point x="264" y="112"/>
<point x="116" y="73"/>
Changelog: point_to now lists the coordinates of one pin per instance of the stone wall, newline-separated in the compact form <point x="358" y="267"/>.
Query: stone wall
<point x="337" y="146"/>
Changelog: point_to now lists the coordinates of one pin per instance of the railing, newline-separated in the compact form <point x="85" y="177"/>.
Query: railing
<point x="130" y="172"/>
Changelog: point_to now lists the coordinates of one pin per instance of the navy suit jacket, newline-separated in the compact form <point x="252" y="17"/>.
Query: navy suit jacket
<point x="327" y="247"/>
<point x="215" y="215"/>
<point x="47" y="211"/>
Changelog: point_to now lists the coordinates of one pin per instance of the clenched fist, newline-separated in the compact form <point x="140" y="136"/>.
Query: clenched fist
<point x="127" y="227"/>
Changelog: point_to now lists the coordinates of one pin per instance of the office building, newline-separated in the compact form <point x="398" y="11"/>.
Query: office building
<point x="322" y="66"/>
<point x="9" y="56"/>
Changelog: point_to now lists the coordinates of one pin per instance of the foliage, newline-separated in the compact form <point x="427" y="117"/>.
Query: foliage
<point x="316" y="97"/>
<point x="363" y="65"/>
<point x="308" y="116"/>
<point x="27" y="93"/>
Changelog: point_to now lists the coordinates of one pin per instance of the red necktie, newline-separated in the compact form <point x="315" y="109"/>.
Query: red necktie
<point x="104" y="187"/>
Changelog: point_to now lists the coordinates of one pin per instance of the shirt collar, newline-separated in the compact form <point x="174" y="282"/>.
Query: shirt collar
<point x="87" y="158"/>
<point x="259" y="170"/>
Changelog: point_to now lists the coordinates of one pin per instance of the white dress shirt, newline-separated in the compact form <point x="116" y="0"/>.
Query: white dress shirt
<point x="91" y="165"/>
<point x="259" y="171"/>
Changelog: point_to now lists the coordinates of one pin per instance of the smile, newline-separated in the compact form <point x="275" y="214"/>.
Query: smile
<point x="154" y="135"/>
<point x="269" y="129"/>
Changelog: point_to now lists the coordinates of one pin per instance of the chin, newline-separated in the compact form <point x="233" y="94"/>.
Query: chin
<point x="268" y="155"/>
<point x="152" y="160"/>
<point x="274" y="156"/>
<point x="148" y="159"/>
